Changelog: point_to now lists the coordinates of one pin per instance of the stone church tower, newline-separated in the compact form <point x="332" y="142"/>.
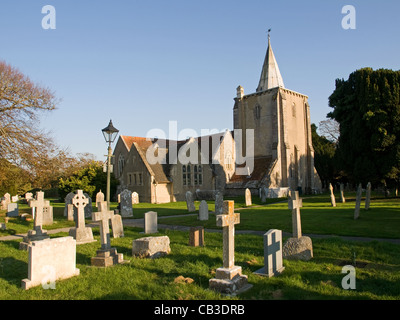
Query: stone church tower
<point x="283" y="152"/>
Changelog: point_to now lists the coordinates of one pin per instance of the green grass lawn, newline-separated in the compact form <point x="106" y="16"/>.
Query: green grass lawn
<point x="377" y="263"/>
<point x="377" y="278"/>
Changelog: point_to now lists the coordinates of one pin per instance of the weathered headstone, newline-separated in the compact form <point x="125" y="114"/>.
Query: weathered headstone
<point x="333" y="200"/>
<point x="3" y="204"/>
<point x="106" y="256"/>
<point x="248" y="197"/>
<point x="358" y="202"/>
<point x="219" y="202"/>
<point x="297" y="247"/>
<point x="151" y="247"/>
<point x="342" y="198"/>
<point x="117" y="226"/>
<point x="14" y="198"/>
<point x="190" y="202"/>
<point x="126" y="203"/>
<point x="368" y="196"/>
<point x="89" y="207"/>
<point x="99" y="197"/>
<point x="70" y="212"/>
<point x="7" y="197"/>
<point x="203" y="210"/>
<point x="229" y="278"/>
<point x="12" y="209"/>
<point x="50" y="260"/>
<point x="196" y="237"/>
<point x="150" y="222"/>
<point x="263" y="194"/>
<point x="135" y="198"/>
<point x="37" y="233"/>
<point x="273" y="262"/>
<point x="28" y="196"/>
<point x="47" y="215"/>
<point x="81" y="233"/>
<point x="68" y="200"/>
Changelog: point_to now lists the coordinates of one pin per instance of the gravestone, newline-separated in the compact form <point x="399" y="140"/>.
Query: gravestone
<point x="68" y="200"/>
<point x="368" y="196"/>
<point x="203" y="210"/>
<point x="81" y="233"/>
<point x="14" y="198"/>
<point x="333" y="200"/>
<point x="342" y="198"/>
<point x="12" y="210"/>
<point x="37" y="234"/>
<point x="190" y="202"/>
<point x="47" y="215"/>
<point x="7" y="197"/>
<point x="196" y="237"/>
<point x="117" y="226"/>
<point x="273" y="262"/>
<point x="3" y="204"/>
<point x="358" y="202"/>
<point x="126" y="203"/>
<point x="263" y="194"/>
<point x="99" y="198"/>
<point x="151" y="247"/>
<point x="248" y="197"/>
<point x="135" y="198"/>
<point x="28" y="196"/>
<point x="229" y="278"/>
<point x="298" y="247"/>
<point x="219" y="202"/>
<point x="50" y="260"/>
<point x="106" y="256"/>
<point x="89" y="207"/>
<point x="70" y="212"/>
<point x="150" y="222"/>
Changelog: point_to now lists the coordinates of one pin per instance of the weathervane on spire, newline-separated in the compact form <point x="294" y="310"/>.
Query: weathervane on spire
<point x="269" y="31"/>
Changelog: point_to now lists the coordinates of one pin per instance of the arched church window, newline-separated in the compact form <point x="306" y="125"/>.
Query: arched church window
<point x="121" y="164"/>
<point x="257" y="112"/>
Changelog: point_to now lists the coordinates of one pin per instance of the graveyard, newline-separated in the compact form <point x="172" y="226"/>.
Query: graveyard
<point x="370" y="243"/>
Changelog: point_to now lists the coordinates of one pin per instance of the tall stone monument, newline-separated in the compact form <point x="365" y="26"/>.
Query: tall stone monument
<point x="229" y="278"/>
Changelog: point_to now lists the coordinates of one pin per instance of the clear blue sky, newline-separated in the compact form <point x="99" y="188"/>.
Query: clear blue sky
<point x="145" y="63"/>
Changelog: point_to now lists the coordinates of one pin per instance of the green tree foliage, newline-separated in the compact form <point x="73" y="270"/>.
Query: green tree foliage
<point x="367" y="107"/>
<point x="324" y="154"/>
<point x="90" y="178"/>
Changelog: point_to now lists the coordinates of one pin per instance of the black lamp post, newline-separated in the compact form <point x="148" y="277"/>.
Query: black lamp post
<point x="110" y="133"/>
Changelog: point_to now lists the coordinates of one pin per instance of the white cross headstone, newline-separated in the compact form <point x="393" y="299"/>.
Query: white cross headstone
<point x="81" y="233"/>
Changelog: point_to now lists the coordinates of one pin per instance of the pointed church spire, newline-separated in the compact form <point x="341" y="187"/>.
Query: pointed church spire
<point x="270" y="76"/>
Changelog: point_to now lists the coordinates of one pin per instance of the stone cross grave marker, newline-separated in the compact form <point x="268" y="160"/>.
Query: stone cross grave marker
<point x="106" y="256"/>
<point x="150" y="222"/>
<point x="190" y="202"/>
<point x="229" y="278"/>
<point x="342" y="198"/>
<point x="273" y="263"/>
<point x="295" y="203"/>
<point x="81" y="233"/>
<point x="333" y="200"/>
<point x="203" y="210"/>
<point x="358" y="202"/>
<point x="368" y="196"/>
<point x="248" y="197"/>
<point x="37" y="233"/>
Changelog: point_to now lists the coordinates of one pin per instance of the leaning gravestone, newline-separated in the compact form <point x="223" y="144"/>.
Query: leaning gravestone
<point x="333" y="200"/>
<point x="81" y="233"/>
<point x="342" y="198"/>
<point x="37" y="234"/>
<point x="273" y="263"/>
<point x="358" y="202"/>
<point x="190" y="202"/>
<point x="50" y="260"/>
<point x="203" y="210"/>
<point x="298" y="247"/>
<point x="219" y="202"/>
<point x="248" y="197"/>
<point x="368" y="196"/>
<point x="12" y="210"/>
<point x="126" y="203"/>
<point x="229" y="278"/>
<point x="150" y="222"/>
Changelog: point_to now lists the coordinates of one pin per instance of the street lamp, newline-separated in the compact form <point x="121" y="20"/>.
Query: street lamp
<point x="110" y="133"/>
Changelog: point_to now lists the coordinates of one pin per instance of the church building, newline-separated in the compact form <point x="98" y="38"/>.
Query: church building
<point x="279" y="119"/>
